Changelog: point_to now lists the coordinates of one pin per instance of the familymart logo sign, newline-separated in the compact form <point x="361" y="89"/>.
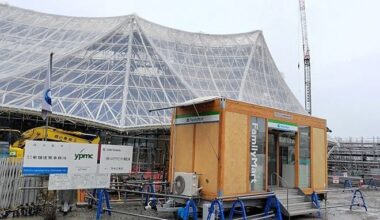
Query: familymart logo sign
<point x="81" y="155"/>
<point x="253" y="150"/>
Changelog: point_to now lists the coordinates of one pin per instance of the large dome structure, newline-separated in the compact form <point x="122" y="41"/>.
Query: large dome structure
<point x="111" y="71"/>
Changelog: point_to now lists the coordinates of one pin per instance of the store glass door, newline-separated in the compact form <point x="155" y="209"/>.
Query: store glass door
<point x="287" y="154"/>
<point x="272" y="159"/>
<point x="281" y="159"/>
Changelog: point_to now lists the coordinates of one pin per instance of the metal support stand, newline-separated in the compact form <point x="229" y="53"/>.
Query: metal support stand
<point x="91" y="199"/>
<point x="272" y="202"/>
<point x="212" y="209"/>
<point x="102" y="194"/>
<point x="348" y="184"/>
<point x="325" y="197"/>
<point x="242" y="212"/>
<point x="315" y="200"/>
<point x="360" y="197"/>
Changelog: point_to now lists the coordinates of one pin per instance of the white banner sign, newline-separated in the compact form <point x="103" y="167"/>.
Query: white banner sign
<point x="78" y="181"/>
<point x="115" y="159"/>
<point x="43" y="157"/>
<point x="46" y="157"/>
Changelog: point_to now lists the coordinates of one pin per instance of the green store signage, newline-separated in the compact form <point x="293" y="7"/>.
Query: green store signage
<point x="281" y="125"/>
<point x="202" y="117"/>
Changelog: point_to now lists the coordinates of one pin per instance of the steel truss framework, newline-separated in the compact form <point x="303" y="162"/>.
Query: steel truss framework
<point x="111" y="71"/>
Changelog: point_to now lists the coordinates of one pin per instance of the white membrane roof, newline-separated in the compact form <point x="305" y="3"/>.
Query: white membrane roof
<point x="111" y="71"/>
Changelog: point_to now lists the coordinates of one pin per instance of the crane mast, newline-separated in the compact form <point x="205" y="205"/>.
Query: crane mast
<point x="306" y="57"/>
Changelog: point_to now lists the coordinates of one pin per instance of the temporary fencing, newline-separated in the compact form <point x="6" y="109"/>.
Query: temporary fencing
<point x="12" y="198"/>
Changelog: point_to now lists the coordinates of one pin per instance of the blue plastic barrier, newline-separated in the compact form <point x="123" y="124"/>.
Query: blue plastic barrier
<point x="102" y="194"/>
<point x="315" y="200"/>
<point x="354" y="196"/>
<point x="272" y="202"/>
<point x="242" y="206"/>
<point x="212" y="209"/>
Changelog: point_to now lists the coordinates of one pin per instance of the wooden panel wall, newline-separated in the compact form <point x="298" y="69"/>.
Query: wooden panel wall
<point x="206" y="157"/>
<point x="319" y="157"/>
<point x="183" y="148"/>
<point x="236" y="173"/>
<point x="196" y="147"/>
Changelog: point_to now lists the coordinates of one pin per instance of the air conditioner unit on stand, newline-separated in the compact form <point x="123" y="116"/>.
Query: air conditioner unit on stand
<point x="185" y="184"/>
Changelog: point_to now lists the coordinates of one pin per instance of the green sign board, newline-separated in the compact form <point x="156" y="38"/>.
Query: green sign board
<point x="202" y="117"/>
<point x="281" y="125"/>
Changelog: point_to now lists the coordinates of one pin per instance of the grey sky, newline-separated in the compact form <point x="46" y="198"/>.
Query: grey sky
<point x="344" y="42"/>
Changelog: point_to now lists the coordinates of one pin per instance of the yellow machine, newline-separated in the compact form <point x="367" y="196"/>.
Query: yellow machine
<point x="53" y="134"/>
<point x="7" y="136"/>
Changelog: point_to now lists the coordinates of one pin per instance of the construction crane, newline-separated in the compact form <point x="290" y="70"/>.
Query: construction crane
<point x="306" y="57"/>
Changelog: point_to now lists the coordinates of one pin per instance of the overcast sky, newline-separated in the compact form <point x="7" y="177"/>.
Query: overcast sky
<point x="344" y="42"/>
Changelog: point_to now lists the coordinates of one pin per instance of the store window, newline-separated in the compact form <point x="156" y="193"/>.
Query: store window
<point x="304" y="157"/>
<point x="257" y="153"/>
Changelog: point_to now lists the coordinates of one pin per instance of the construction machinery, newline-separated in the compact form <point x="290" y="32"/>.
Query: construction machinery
<point x="7" y="136"/>
<point x="50" y="134"/>
<point x="306" y="57"/>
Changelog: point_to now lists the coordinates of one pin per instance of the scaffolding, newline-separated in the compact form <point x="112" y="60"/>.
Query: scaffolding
<point x="357" y="157"/>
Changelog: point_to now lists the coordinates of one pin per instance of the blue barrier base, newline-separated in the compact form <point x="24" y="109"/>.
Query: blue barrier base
<point x="103" y="196"/>
<point x="211" y="210"/>
<point x="359" y="197"/>
<point x="272" y="202"/>
<point x="315" y="200"/>
<point x="184" y="213"/>
<point x="242" y="212"/>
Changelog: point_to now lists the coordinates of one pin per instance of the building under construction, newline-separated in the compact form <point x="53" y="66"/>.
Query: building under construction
<point x="108" y="73"/>
<point x="356" y="157"/>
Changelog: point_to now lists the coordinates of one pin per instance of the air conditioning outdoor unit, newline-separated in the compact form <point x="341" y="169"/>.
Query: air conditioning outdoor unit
<point x="185" y="184"/>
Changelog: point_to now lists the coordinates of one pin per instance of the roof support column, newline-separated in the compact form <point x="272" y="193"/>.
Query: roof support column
<point x="127" y="72"/>
<point x="242" y="85"/>
<point x="152" y="64"/>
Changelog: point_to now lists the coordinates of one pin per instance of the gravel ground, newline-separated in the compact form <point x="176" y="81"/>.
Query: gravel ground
<point x="372" y="198"/>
